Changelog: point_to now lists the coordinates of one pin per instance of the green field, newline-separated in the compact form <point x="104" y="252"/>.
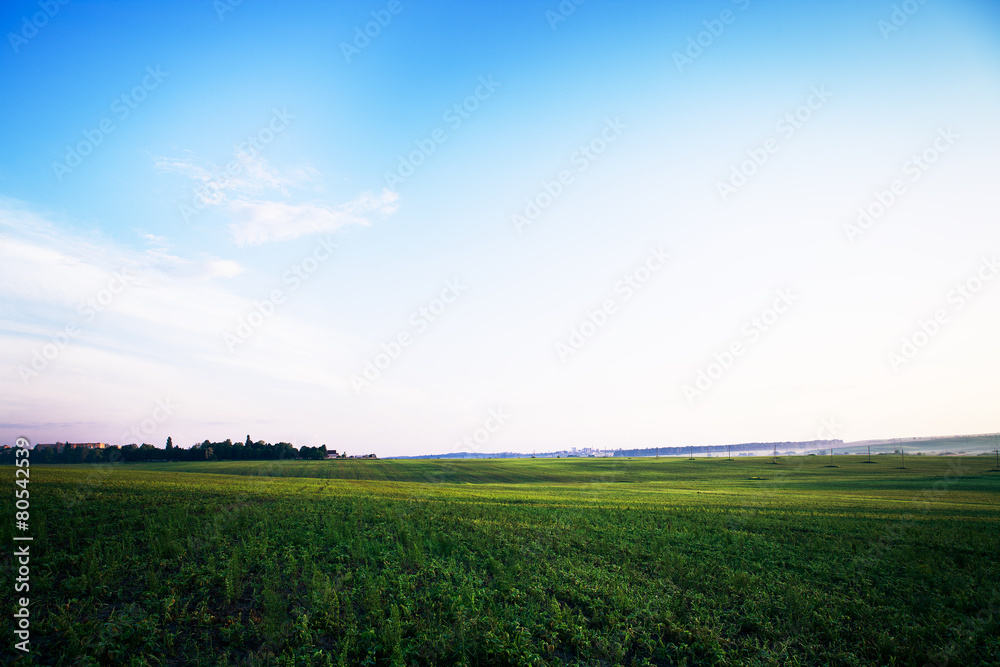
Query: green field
<point x="515" y="561"/>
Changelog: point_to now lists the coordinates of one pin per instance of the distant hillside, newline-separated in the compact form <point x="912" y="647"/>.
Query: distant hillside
<point x="953" y="444"/>
<point x="696" y="450"/>
<point x="723" y="450"/>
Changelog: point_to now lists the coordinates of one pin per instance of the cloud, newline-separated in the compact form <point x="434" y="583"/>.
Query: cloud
<point x="47" y="273"/>
<point x="225" y="268"/>
<point x="258" y="221"/>
<point x="43" y="265"/>
<point x="186" y="167"/>
<point x="246" y="175"/>
<point x="159" y="258"/>
<point x="266" y="204"/>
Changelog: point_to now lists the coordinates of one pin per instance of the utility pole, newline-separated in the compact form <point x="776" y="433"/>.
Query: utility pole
<point x="831" y="455"/>
<point x="774" y="456"/>
<point x="869" y="453"/>
<point x="691" y="452"/>
<point x="730" y="452"/>
<point x="902" y="463"/>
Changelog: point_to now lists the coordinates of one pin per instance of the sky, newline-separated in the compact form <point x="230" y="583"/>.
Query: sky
<point x="421" y="227"/>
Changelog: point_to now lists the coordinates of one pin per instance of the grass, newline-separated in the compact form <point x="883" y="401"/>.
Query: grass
<point x="576" y="561"/>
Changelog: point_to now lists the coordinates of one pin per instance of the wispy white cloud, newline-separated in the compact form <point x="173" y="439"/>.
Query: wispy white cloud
<point x="267" y="204"/>
<point x="159" y="257"/>
<point x="41" y="263"/>
<point x="259" y="221"/>
<point x="184" y="166"/>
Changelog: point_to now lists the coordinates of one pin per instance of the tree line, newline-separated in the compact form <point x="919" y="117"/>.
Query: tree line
<point x="226" y="450"/>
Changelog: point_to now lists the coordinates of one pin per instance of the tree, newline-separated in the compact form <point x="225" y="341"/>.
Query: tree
<point x="249" y="442"/>
<point x="312" y="453"/>
<point x="170" y="443"/>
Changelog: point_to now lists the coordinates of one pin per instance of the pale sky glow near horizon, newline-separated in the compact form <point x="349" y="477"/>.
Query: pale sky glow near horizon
<point x="219" y="220"/>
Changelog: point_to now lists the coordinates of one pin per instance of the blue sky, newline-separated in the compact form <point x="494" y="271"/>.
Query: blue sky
<point x="522" y="259"/>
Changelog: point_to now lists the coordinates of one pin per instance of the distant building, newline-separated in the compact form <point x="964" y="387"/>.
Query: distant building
<point x="60" y="446"/>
